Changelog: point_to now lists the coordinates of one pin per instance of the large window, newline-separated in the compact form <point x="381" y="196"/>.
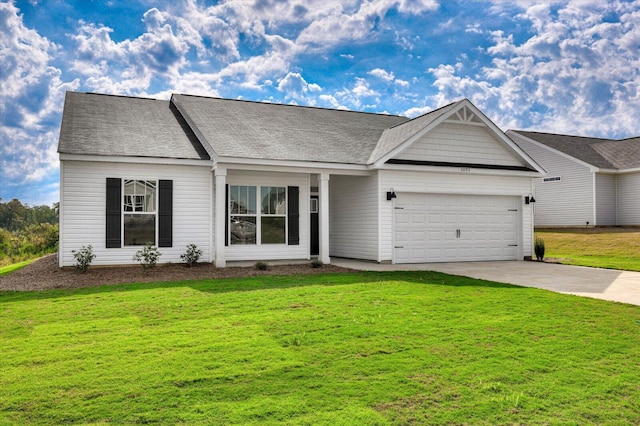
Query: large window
<point x="139" y="211"/>
<point x="250" y="225"/>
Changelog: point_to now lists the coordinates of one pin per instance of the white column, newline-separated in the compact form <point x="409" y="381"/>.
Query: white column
<point x="323" y="222"/>
<point x="220" y="216"/>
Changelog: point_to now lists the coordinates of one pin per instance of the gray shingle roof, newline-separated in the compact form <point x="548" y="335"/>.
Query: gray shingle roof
<point x="194" y="127"/>
<point x="284" y="132"/>
<point x="580" y="147"/>
<point x="95" y="124"/>
<point x="603" y="153"/>
<point x="624" y="154"/>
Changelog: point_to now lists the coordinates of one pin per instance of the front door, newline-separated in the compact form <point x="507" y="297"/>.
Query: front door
<point x="315" y="235"/>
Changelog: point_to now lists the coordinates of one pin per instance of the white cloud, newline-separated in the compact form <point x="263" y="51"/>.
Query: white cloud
<point x="28" y="157"/>
<point x="417" y="111"/>
<point x="382" y="74"/>
<point x="295" y="87"/>
<point x="388" y="76"/>
<point x="362" y="89"/>
<point x="354" y="24"/>
<point x="416" y="7"/>
<point x="32" y="95"/>
<point x="24" y="56"/>
<point x="355" y="97"/>
<point x="575" y="74"/>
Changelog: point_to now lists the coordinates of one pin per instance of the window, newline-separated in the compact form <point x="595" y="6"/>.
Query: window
<point x="243" y="215"/>
<point x="139" y="212"/>
<point x="274" y="215"/>
<point x="143" y="208"/>
<point x="551" y="179"/>
<point x="247" y="224"/>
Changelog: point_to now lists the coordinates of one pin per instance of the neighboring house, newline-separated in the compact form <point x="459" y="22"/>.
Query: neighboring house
<point x="589" y="181"/>
<point x="257" y="181"/>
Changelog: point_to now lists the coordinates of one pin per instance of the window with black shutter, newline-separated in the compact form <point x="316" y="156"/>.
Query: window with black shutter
<point x="135" y="208"/>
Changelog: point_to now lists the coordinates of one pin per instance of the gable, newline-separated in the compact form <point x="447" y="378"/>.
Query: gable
<point x="106" y="125"/>
<point x="461" y="139"/>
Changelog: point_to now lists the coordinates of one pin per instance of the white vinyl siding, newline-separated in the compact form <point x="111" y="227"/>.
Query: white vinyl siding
<point x="567" y="202"/>
<point x="252" y="252"/>
<point x="452" y="183"/>
<point x="629" y="199"/>
<point x="460" y="143"/>
<point x="83" y="205"/>
<point x="606" y="199"/>
<point x="353" y="213"/>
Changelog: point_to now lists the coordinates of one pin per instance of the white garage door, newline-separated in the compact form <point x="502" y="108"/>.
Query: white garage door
<point x="454" y="228"/>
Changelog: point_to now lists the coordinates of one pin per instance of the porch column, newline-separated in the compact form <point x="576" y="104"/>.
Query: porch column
<point x="220" y="216"/>
<point x="323" y="222"/>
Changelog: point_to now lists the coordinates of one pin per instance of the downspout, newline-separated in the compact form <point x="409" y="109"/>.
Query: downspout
<point x="61" y="231"/>
<point x="617" y="206"/>
<point x="595" y="212"/>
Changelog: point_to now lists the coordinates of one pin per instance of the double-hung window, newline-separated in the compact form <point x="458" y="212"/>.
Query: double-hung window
<point x="273" y="215"/>
<point x="249" y="224"/>
<point x="139" y="212"/>
<point x="243" y="214"/>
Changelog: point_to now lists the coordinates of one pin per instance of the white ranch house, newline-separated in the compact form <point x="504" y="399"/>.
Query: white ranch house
<point x="258" y="181"/>
<point x="589" y="181"/>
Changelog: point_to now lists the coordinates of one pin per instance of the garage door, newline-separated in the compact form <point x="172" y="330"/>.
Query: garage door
<point x="455" y="228"/>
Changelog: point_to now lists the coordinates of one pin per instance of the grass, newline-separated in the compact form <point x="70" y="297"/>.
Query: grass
<point x="361" y="348"/>
<point x="4" y="270"/>
<point x="612" y="248"/>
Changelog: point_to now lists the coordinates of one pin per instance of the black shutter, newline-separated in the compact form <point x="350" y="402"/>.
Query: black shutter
<point x="226" y="215"/>
<point x="114" y="206"/>
<point x="165" y="213"/>
<point x="293" y="217"/>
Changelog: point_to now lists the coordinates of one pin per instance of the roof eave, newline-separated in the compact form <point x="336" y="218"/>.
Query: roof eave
<point x="133" y="159"/>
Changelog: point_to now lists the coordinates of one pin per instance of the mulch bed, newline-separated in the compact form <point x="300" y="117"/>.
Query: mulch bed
<point x="44" y="274"/>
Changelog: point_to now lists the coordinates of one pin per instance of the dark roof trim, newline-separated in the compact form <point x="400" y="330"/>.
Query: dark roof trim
<point x="469" y="165"/>
<point x="188" y="131"/>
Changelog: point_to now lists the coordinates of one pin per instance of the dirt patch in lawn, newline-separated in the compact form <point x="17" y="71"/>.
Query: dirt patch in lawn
<point x="44" y="274"/>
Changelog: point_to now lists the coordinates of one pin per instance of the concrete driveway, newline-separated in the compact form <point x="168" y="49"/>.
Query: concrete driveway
<point x="607" y="284"/>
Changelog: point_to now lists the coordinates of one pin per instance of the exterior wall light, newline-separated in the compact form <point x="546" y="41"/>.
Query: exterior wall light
<point x="391" y="194"/>
<point x="529" y="199"/>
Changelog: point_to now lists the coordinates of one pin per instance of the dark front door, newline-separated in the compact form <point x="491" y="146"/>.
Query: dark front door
<point x="315" y="242"/>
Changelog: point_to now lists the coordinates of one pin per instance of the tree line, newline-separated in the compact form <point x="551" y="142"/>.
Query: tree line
<point x="26" y="231"/>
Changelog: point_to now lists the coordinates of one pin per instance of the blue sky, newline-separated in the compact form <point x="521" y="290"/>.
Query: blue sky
<point x="558" y="66"/>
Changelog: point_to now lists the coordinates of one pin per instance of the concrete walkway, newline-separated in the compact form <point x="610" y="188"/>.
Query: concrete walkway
<point x="607" y="284"/>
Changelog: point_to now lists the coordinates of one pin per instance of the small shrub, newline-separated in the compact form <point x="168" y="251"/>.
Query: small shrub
<point x="538" y="247"/>
<point x="261" y="266"/>
<point x="192" y="255"/>
<point x="316" y="264"/>
<point x="83" y="258"/>
<point x="148" y="256"/>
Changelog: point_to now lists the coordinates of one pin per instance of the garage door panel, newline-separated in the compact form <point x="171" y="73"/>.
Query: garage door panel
<point x="445" y="228"/>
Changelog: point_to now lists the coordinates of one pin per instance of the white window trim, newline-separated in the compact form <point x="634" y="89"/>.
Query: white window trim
<point x="132" y="213"/>
<point x="259" y="215"/>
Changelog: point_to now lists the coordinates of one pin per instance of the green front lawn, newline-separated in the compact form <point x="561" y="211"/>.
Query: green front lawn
<point x="361" y="348"/>
<point x="613" y="248"/>
<point x="4" y="270"/>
